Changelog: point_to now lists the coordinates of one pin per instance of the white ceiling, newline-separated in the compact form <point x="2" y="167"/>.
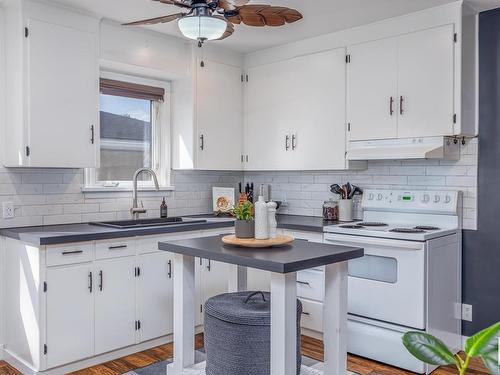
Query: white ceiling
<point x="320" y="17"/>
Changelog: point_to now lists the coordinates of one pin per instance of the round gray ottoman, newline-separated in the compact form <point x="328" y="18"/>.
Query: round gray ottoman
<point x="238" y="334"/>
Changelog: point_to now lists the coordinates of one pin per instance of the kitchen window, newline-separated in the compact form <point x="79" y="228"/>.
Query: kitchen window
<point x="133" y="133"/>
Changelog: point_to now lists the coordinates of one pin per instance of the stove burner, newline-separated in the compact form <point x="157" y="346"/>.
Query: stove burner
<point x="427" y="227"/>
<point x="351" y="226"/>
<point x="407" y="230"/>
<point x="372" y="224"/>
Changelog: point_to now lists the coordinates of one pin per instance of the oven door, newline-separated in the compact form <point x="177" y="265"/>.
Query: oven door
<point x="388" y="283"/>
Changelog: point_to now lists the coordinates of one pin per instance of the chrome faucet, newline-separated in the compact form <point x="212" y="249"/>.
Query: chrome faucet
<point x="135" y="210"/>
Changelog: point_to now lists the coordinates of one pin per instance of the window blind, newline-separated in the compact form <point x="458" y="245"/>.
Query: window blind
<point x="131" y="90"/>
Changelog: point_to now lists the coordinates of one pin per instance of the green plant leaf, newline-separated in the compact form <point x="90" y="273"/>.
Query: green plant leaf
<point x="491" y="362"/>
<point x="428" y="348"/>
<point x="484" y="341"/>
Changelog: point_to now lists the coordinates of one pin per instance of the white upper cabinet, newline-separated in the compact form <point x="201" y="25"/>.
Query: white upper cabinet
<point x="53" y="114"/>
<point x="267" y="116"/>
<point x="219" y="116"/>
<point x="426" y="83"/>
<point x="403" y="87"/>
<point x="295" y="113"/>
<point x="372" y="90"/>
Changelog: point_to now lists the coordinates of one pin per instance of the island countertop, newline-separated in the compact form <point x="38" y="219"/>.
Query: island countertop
<point x="297" y="256"/>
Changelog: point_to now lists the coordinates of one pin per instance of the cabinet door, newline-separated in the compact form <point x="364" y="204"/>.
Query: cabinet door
<point x="318" y="106"/>
<point x="115" y="304"/>
<point x="155" y="295"/>
<point x="268" y="116"/>
<point x="219" y="116"/>
<point x="426" y="83"/>
<point x="215" y="278"/>
<point x="371" y="83"/>
<point x="62" y="96"/>
<point x="70" y="314"/>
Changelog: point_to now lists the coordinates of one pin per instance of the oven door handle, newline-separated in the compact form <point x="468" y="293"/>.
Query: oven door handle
<point x="357" y="241"/>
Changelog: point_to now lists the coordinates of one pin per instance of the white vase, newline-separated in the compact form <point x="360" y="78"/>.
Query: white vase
<point x="271" y="219"/>
<point x="346" y="208"/>
<point x="261" y="221"/>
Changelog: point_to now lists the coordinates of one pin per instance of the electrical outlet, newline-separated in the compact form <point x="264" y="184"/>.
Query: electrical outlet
<point x="8" y="210"/>
<point x="467" y="312"/>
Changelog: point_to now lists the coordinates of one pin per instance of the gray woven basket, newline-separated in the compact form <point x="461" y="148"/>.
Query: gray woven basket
<point x="238" y="334"/>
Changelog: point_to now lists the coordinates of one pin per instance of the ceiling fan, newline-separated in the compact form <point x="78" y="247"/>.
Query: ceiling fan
<point x="214" y="19"/>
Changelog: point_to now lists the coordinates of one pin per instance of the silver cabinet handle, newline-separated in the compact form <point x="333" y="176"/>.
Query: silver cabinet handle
<point x="117" y="247"/>
<point x="391" y="106"/>
<point x="72" y="252"/>
<point x="92" y="135"/>
<point x="169" y="269"/>
<point x="401" y="101"/>
<point x="100" y="281"/>
<point x="202" y="142"/>
<point x="90" y="282"/>
<point x="294" y="141"/>
<point x="209" y="265"/>
<point x="287" y="142"/>
<point x="303" y="282"/>
<point x="305" y="313"/>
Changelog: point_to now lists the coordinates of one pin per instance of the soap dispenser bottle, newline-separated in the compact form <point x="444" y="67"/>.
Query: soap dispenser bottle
<point x="163" y="209"/>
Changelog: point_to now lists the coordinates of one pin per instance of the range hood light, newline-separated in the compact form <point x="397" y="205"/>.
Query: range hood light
<point x="202" y="27"/>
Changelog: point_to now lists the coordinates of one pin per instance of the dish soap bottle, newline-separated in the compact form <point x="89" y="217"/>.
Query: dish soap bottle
<point x="163" y="209"/>
<point x="261" y="221"/>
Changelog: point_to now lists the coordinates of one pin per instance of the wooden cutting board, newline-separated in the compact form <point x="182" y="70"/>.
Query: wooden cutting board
<point x="252" y="242"/>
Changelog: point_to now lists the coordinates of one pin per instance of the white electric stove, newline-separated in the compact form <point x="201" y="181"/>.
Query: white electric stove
<point x="410" y="276"/>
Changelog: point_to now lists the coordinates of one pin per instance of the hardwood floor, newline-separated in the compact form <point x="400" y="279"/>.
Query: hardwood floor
<point x="310" y="347"/>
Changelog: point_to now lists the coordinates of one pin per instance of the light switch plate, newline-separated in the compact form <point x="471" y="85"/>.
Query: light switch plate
<point x="8" y="210"/>
<point x="467" y="312"/>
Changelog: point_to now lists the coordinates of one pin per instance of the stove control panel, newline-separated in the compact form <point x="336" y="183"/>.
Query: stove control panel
<point x="445" y="202"/>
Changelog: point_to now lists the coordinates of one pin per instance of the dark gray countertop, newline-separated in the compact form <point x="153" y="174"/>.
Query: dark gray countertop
<point x="297" y="256"/>
<point x="67" y="233"/>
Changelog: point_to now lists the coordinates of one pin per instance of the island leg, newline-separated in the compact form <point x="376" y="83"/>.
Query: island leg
<point x="184" y="318"/>
<point x="335" y="319"/>
<point x="237" y="278"/>
<point x="283" y="323"/>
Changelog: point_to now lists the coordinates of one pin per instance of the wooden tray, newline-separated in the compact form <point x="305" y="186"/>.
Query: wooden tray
<point x="252" y="242"/>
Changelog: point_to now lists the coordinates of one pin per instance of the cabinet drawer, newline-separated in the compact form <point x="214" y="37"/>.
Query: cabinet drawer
<point x="310" y="284"/>
<point x="69" y="254"/>
<point x="115" y="248"/>
<point x="312" y="315"/>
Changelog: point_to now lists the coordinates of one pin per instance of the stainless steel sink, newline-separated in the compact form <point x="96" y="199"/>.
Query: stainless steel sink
<point x="139" y="223"/>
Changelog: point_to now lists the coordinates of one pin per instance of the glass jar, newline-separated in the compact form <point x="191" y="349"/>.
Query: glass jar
<point x="331" y="210"/>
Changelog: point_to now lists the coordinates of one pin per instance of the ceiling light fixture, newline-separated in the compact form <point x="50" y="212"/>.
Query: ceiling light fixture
<point x="202" y="27"/>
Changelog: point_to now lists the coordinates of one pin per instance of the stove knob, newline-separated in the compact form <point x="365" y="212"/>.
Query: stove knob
<point x="437" y="198"/>
<point x="379" y="197"/>
<point x="426" y="198"/>
<point x="370" y="196"/>
<point x="447" y="199"/>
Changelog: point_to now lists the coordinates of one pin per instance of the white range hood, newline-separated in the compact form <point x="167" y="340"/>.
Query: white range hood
<point x="404" y="148"/>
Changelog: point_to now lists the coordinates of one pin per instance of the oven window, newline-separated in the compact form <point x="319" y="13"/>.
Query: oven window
<point x="374" y="267"/>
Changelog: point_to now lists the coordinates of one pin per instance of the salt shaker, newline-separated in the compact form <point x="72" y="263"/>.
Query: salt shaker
<point x="271" y="219"/>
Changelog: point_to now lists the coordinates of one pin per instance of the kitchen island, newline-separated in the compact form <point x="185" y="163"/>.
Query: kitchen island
<point x="283" y="263"/>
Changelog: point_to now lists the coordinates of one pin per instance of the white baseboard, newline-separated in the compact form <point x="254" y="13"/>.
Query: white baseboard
<point x="25" y="369"/>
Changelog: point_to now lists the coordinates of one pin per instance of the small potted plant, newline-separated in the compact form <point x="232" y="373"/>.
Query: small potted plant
<point x="244" y="225"/>
<point x="431" y="350"/>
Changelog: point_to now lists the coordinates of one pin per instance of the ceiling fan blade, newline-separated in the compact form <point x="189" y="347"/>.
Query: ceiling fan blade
<point x="178" y="3"/>
<point x="267" y="15"/>
<point x="154" y="21"/>
<point x="229" y="31"/>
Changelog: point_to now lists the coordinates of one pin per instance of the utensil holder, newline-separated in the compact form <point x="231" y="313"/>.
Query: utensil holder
<point x="346" y="210"/>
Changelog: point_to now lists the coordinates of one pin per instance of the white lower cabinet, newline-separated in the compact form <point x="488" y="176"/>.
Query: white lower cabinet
<point x="115" y="304"/>
<point x="155" y="295"/>
<point x="70" y="314"/>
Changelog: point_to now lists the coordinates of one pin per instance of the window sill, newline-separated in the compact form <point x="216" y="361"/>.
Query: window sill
<point x="102" y="189"/>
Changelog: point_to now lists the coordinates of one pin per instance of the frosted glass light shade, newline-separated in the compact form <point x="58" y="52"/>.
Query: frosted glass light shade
<point x="202" y="27"/>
